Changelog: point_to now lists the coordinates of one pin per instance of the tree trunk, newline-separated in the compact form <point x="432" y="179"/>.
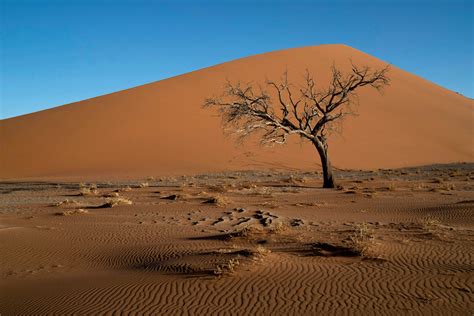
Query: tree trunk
<point x="328" y="178"/>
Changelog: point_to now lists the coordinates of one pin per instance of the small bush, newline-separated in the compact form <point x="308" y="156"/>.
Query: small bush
<point x="72" y="212"/>
<point x="116" y="202"/>
<point x="88" y="191"/>
<point x="362" y="239"/>
<point x="217" y="200"/>
<point x="66" y="202"/>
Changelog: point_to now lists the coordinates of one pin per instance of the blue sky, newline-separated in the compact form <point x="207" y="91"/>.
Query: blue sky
<point x="56" y="52"/>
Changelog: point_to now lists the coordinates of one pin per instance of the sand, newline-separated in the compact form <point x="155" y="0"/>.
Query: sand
<point x="387" y="242"/>
<point x="135" y="202"/>
<point x="161" y="129"/>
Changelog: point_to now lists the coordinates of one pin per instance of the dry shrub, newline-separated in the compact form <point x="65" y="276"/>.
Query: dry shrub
<point x="66" y="202"/>
<point x="85" y="191"/>
<point x="111" y="194"/>
<point x="72" y="212"/>
<point x="144" y="185"/>
<point x="448" y="187"/>
<point x="261" y="251"/>
<point x="278" y="228"/>
<point x="246" y="232"/>
<point x="430" y="223"/>
<point x="217" y="200"/>
<point x="218" y="188"/>
<point x="116" y="202"/>
<point x="419" y="186"/>
<point x="247" y="186"/>
<point x="295" y="180"/>
<point x="362" y="239"/>
<point x="231" y="264"/>
<point x="227" y="268"/>
<point x="124" y="189"/>
<point x="262" y="191"/>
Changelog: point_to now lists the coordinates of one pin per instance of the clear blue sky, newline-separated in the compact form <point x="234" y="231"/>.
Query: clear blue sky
<point x="57" y="52"/>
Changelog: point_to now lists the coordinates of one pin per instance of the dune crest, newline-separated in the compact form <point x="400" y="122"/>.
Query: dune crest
<point x="160" y="128"/>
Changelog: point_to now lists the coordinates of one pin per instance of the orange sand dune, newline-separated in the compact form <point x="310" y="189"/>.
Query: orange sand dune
<point x="160" y="128"/>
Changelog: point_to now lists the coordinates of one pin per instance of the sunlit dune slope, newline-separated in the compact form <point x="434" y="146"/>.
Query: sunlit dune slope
<point x="160" y="128"/>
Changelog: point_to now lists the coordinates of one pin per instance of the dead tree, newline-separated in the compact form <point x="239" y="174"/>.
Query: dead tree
<point x="307" y="111"/>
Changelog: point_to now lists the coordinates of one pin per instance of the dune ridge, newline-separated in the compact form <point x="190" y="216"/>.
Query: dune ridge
<point x="161" y="129"/>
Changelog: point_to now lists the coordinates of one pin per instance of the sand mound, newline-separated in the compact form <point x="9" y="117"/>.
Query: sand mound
<point x="160" y="128"/>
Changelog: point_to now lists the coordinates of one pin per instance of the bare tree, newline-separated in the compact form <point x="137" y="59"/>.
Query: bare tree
<point x="307" y="111"/>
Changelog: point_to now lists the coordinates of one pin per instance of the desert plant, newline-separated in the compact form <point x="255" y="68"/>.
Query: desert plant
<point x="123" y="189"/>
<point x="84" y="191"/>
<point x="72" y="212"/>
<point x="111" y="194"/>
<point x="228" y="267"/>
<point x="309" y="112"/>
<point x="362" y="239"/>
<point x="116" y="202"/>
<point x="217" y="200"/>
<point x="65" y="202"/>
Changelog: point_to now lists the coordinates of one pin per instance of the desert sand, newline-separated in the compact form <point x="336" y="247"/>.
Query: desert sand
<point x="161" y="129"/>
<point x="391" y="242"/>
<point x="136" y="203"/>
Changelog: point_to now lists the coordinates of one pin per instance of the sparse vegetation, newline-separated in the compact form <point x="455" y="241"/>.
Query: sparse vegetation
<point x="278" y="228"/>
<point x="72" y="212"/>
<point x="66" y="202"/>
<point x="362" y="239"/>
<point x="116" y="202"/>
<point x="228" y="267"/>
<point x="111" y="194"/>
<point x="123" y="189"/>
<point x="217" y="200"/>
<point x="85" y="191"/>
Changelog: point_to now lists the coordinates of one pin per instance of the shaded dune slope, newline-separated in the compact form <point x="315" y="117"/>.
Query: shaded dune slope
<point x="160" y="128"/>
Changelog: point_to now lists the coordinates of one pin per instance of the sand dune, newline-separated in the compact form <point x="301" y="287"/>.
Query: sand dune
<point x="160" y="128"/>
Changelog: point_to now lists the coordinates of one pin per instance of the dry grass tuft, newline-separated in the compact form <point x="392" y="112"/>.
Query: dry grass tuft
<point x="217" y="200"/>
<point x="111" y="194"/>
<point x="294" y="180"/>
<point x="72" y="212"/>
<point x="85" y="191"/>
<point x="221" y="188"/>
<point x="66" y="202"/>
<point x="448" y="187"/>
<point x="124" y="189"/>
<point x="362" y="239"/>
<point x="228" y="267"/>
<point x="116" y="202"/>
<point x="430" y="223"/>
<point x="278" y="228"/>
<point x="144" y="185"/>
